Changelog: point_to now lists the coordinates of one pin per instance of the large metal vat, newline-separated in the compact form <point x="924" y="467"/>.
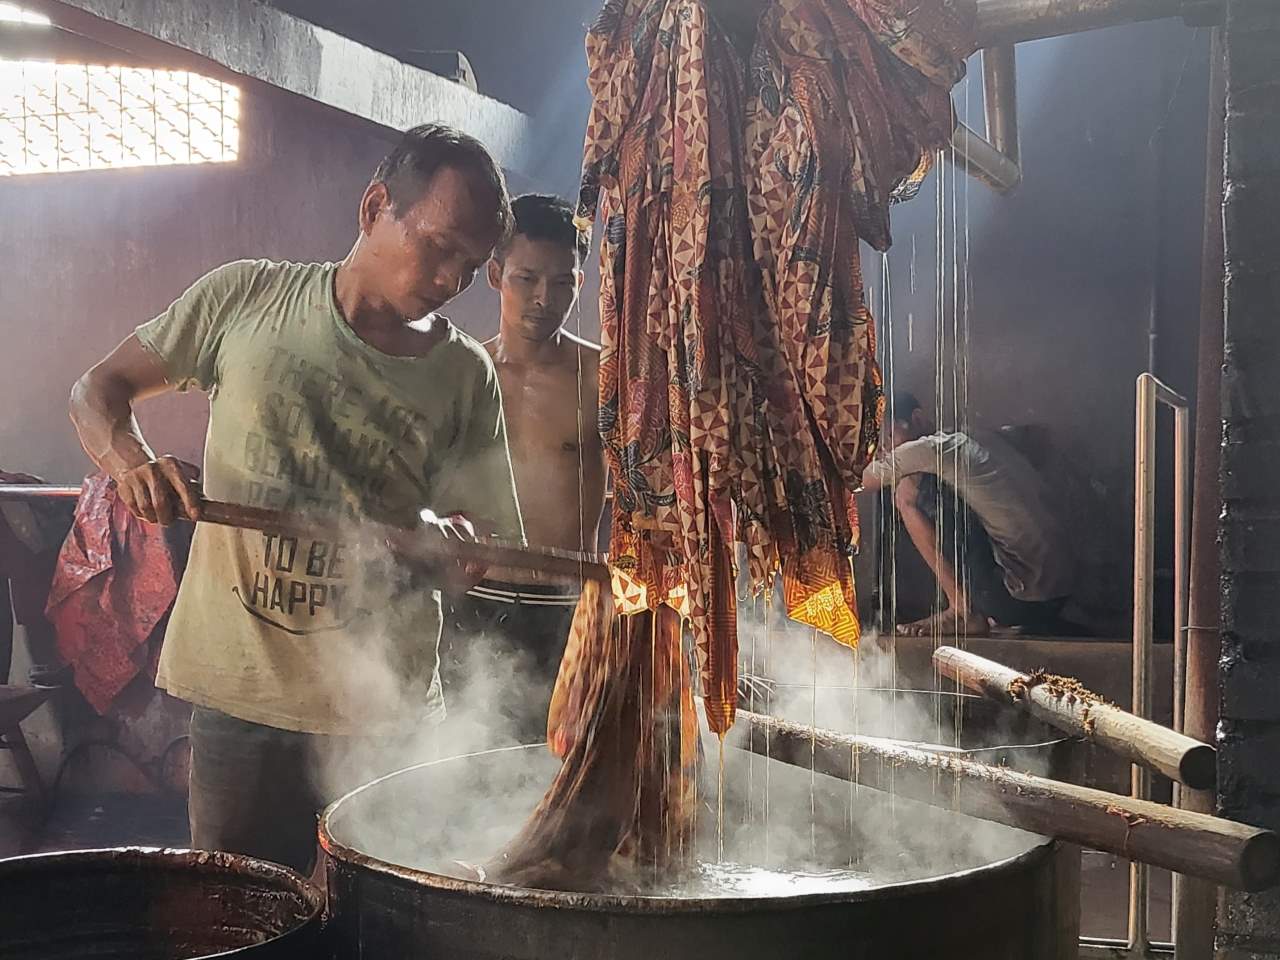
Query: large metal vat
<point x="934" y="883"/>
<point x="140" y="904"/>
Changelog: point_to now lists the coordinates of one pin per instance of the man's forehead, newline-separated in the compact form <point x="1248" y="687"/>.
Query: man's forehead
<point x="542" y="254"/>
<point x="458" y="202"/>
<point x="470" y="230"/>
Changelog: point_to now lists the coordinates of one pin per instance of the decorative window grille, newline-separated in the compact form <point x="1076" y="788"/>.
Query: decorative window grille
<point x="12" y="13"/>
<point x="57" y="117"/>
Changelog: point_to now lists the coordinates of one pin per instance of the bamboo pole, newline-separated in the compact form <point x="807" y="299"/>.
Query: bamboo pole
<point x="1070" y="707"/>
<point x="1192" y="843"/>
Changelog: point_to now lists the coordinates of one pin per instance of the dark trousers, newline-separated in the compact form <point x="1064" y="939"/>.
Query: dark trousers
<point x="505" y="655"/>
<point x="257" y="790"/>
<point x="962" y="537"/>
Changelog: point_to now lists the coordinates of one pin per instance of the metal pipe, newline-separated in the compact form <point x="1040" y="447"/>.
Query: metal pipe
<point x="1013" y="21"/>
<point x="1195" y="902"/>
<point x="1143" y="572"/>
<point x="975" y="156"/>
<point x="1000" y="99"/>
<point x="1181" y="584"/>
<point x="36" y="491"/>
<point x="1104" y="948"/>
<point x="1181" y="557"/>
<point x="1151" y="391"/>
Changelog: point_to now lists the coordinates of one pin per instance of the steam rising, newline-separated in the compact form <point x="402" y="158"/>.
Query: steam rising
<point x="785" y="829"/>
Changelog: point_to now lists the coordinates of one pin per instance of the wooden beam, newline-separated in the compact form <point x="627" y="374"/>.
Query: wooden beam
<point x="1197" y="844"/>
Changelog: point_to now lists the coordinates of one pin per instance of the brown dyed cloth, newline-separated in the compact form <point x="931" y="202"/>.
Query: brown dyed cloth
<point x="620" y="811"/>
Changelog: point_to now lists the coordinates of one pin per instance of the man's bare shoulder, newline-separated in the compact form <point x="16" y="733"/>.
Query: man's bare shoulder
<point x="579" y="350"/>
<point x="581" y="343"/>
<point x="491" y="346"/>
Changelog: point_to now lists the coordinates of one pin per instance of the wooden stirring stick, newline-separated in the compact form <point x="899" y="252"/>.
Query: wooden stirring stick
<point x="414" y="545"/>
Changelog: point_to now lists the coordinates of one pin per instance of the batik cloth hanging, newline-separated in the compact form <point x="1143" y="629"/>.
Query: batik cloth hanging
<point x="740" y="398"/>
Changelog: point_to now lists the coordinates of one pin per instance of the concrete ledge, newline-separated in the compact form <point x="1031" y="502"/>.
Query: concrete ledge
<point x="250" y="40"/>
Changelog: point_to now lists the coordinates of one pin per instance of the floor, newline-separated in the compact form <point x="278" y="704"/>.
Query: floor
<point x="85" y="823"/>
<point x="1104" y="896"/>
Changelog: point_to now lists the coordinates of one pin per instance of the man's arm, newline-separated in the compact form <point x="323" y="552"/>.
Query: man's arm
<point x="102" y="401"/>
<point x="907" y="459"/>
<point x="478" y="500"/>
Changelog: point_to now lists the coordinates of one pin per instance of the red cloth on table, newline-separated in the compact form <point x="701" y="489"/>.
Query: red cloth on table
<point x="116" y="579"/>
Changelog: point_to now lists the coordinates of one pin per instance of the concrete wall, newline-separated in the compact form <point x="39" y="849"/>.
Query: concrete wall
<point x="527" y="54"/>
<point x="90" y="255"/>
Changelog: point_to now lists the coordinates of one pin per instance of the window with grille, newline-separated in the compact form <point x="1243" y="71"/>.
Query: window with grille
<point x="12" y="13"/>
<point x="57" y="117"/>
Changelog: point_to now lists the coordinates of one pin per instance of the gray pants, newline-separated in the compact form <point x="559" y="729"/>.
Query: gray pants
<point x="257" y="790"/>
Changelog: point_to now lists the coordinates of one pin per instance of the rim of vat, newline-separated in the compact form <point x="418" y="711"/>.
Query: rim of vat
<point x="631" y="903"/>
<point x="207" y="862"/>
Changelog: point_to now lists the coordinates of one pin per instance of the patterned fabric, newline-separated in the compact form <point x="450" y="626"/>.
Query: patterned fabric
<point x="739" y="393"/>
<point x="115" y="584"/>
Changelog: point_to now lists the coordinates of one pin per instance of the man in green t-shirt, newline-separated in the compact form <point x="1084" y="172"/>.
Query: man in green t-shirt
<point x="334" y="388"/>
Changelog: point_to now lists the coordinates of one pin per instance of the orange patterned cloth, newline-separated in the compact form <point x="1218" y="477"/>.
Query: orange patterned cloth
<point x="739" y="394"/>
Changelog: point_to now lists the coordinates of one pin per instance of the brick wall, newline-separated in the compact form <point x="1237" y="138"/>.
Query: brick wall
<point x="1249" y="734"/>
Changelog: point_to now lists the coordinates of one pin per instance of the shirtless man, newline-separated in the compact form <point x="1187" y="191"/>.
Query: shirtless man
<point x="981" y="502"/>
<point x="549" y="387"/>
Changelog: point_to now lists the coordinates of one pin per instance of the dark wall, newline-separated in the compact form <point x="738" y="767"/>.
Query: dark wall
<point x="90" y="255"/>
<point x="1249" y="729"/>
<point x="1061" y="274"/>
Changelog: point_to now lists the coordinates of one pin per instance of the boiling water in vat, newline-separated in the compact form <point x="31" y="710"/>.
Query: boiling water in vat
<point x="466" y="808"/>
<point x="741" y="880"/>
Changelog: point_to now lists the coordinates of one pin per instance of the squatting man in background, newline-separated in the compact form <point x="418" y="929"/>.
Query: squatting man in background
<point x="981" y="503"/>
<point x="512" y="622"/>
<point x="334" y="388"/>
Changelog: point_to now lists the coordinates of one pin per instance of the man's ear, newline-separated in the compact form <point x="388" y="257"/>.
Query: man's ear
<point x="376" y="199"/>
<point x="495" y="273"/>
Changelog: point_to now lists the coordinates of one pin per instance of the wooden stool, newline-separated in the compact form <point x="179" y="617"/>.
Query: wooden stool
<point x="16" y="704"/>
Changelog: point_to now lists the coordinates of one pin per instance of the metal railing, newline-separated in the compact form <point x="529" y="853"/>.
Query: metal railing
<point x="1150" y="393"/>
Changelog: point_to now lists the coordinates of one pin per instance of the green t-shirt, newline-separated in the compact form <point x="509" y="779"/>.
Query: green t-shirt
<point x="321" y="636"/>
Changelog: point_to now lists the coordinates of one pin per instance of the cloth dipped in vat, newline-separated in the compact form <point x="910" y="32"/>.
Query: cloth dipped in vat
<point x="740" y="399"/>
<point x="622" y="718"/>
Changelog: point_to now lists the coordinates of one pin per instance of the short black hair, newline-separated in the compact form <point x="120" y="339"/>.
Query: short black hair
<point x="541" y="216"/>
<point x="902" y="405"/>
<point x="424" y="151"/>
